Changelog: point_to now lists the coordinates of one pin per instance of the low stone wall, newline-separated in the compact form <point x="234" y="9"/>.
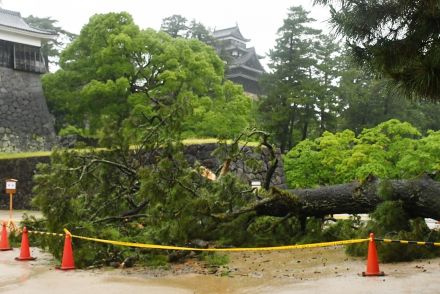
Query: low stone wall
<point x="23" y="170"/>
<point x="203" y="154"/>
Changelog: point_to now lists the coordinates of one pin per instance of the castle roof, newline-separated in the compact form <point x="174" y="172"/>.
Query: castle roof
<point x="250" y="60"/>
<point x="230" y="32"/>
<point x="11" y="21"/>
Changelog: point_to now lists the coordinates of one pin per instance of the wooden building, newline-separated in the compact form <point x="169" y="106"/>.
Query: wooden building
<point x="243" y="63"/>
<point x="20" y="44"/>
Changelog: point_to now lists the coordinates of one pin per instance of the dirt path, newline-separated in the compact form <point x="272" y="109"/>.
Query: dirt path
<point x="326" y="270"/>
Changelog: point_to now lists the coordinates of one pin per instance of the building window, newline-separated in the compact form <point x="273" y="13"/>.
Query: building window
<point x="21" y="57"/>
<point x="28" y="58"/>
<point x="6" y="54"/>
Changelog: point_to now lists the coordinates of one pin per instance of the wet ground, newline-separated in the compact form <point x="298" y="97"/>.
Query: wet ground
<point x="319" y="270"/>
<point x="304" y="271"/>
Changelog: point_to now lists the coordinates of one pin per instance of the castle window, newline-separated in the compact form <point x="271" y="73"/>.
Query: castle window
<point x="28" y="58"/>
<point x="6" y="54"/>
<point x="21" y="57"/>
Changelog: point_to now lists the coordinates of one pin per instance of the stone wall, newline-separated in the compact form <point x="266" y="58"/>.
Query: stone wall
<point x="23" y="170"/>
<point x="203" y="154"/>
<point x="25" y="122"/>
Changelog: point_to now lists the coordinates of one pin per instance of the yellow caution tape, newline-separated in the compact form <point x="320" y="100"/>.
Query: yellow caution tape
<point x="287" y="247"/>
<point x="424" y="243"/>
<point x="45" y="233"/>
<point x="164" y="247"/>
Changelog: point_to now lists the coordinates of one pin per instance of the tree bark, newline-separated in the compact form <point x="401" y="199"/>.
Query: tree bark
<point x="420" y="198"/>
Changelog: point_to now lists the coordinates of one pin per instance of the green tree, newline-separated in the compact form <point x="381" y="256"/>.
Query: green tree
<point x="301" y="99"/>
<point x="360" y="91"/>
<point x="141" y="187"/>
<point x="223" y="117"/>
<point x="178" y="26"/>
<point x="51" y="49"/>
<point x="175" y="26"/>
<point x="391" y="150"/>
<point x="148" y="69"/>
<point x="399" y="40"/>
<point x="197" y="30"/>
<point x="328" y="105"/>
<point x="291" y="63"/>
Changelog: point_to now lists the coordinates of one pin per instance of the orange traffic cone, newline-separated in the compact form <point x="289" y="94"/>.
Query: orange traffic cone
<point x="24" y="250"/>
<point x="4" y="242"/>
<point x="67" y="262"/>
<point x="372" y="261"/>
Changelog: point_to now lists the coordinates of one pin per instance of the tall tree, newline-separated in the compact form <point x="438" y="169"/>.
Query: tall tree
<point x="94" y="94"/>
<point x="328" y="104"/>
<point x="397" y="39"/>
<point x="178" y="26"/>
<point x="51" y="49"/>
<point x="360" y="91"/>
<point x="289" y="100"/>
<point x="175" y="26"/>
<point x="197" y="30"/>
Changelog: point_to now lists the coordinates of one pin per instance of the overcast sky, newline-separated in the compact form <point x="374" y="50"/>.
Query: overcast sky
<point x="258" y="20"/>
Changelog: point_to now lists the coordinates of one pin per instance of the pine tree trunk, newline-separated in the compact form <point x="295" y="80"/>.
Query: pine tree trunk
<point x="420" y="197"/>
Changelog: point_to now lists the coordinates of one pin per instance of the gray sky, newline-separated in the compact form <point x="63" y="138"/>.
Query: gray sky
<point x="258" y="20"/>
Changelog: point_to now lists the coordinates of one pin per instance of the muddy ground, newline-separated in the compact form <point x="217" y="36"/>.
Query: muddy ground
<point x="317" y="270"/>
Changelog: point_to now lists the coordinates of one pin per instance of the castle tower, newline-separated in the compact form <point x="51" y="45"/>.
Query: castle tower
<point x="25" y="122"/>
<point x="243" y="64"/>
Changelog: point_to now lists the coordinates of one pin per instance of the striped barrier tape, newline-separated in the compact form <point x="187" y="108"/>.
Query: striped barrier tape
<point x="18" y="230"/>
<point x="45" y="233"/>
<point x="408" y="242"/>
<point x="165" y="247"/>
<point x="273" y="248"/>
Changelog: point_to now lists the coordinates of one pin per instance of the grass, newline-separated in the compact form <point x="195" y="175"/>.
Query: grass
<point x="191" y="141"/>
<point x="215" y="259"/>
<point x="24" y="154"/>
<point x="194" y="141"/>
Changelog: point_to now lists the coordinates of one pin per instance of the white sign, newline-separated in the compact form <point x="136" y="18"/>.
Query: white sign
<point x="11" y="185"/>
<point x="256" y="184"/>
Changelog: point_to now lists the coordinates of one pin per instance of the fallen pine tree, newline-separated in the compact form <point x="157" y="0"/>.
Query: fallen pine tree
<point x="157" y="197"/>
<point x="420" y="198"/>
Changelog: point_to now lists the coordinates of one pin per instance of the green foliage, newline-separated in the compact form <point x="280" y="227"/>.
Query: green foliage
<point x="174" y="25"/>
<point x="301" y="99"/>
<point x="148" y="71"/>
<point x="178" y="26"/>
<point x="92" y="195"/>
<point x="71" y="130"/>
<point x="390" y="220"/>
<point x="360" y="90"/>
<point x="215" y="259"/>
<point x="51" y="49"/>
<point x="224" y="117"/>
<point x="391" y="150"/>
<point x="396" y="39"/>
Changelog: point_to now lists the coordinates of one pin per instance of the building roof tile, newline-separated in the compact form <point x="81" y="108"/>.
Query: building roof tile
<point x="13" y="19"/>
<point x="233" y="32"/>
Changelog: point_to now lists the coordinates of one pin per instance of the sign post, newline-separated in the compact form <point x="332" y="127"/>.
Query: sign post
<point x="11" y="189"/>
